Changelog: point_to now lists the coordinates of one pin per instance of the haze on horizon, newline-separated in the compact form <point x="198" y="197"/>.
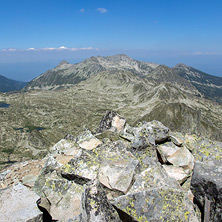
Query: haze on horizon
<point x="37" y="35"/>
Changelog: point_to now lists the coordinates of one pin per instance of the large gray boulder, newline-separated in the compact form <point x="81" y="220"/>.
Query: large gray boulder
<point x="49" y="170"/>
<point x="118" y="173"/>
<point x="206" y="185"/>
<point x="164" y="204"/>
<point x="95" y="205"/>
<point x="146" y="134"/>
<point x="64" y="198"/>
<point x="18" y="203"/>
<point x="87" y="166"/>
<point x="152" y="177"/>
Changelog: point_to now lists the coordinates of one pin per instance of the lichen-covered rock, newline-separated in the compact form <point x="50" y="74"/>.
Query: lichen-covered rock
<point x="152" y="177"/>
<point x="18" y="203"/>
<point x="48" y="171"/>
<point x="182" y="158"/>
<point x="163" y="204"/>
<point x="111" y="121"/>
<point x="145" y="134"/>
<point x="81" y="169"/>
<point x="86" y="167"/>
<point x="206" y="185"/>
<point x="95" y="205"/>
<point x="204" y="150"/>
<point x="64" y="197"/>
<point x="118" y="173"/>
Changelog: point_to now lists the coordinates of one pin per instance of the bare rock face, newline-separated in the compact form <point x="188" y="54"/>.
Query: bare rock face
<point x="112" y="121"/>
<point x="18" y="203"/>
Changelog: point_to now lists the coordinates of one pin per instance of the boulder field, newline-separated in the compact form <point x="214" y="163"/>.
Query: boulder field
<point x="144" y="173"/>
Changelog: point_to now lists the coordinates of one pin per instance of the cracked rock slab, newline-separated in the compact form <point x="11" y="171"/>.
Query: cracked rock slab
<point x="18" y="203"/>
<point x="117" y="173"/>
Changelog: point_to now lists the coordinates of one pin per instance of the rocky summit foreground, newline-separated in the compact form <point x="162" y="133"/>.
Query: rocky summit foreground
<point x="120" y="173"/>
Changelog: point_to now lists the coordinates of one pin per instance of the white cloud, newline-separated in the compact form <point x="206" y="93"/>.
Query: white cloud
<point x="102" y="10"/>
<point x="49" y="49"/>
<point x="82" y="10"/>
<point x="8" y="50"/>
<point x="204" y="53"/>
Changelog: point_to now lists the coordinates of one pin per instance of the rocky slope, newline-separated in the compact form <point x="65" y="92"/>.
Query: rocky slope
<point x="210" y="86"/>
<point x="7" y="85"/>
<point x="120" y="173"/>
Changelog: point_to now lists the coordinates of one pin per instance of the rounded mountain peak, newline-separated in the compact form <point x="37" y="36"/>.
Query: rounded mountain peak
<point x="181" y="65"/>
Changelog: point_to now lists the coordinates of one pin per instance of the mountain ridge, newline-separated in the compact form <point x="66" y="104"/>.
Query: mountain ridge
<point x="65" y="75"/>
<point x="7" y="85"/>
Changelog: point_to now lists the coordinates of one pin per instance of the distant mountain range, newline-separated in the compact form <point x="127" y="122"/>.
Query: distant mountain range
<point x="65" y="75"/>
<point x="7" y="85"/>
<point x="69" y="98"/>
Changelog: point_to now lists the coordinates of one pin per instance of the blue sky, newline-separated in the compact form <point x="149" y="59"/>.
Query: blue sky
<point x="36" y="34"/>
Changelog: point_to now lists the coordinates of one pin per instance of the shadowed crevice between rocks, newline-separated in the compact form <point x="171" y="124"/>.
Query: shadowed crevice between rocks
<point x="124" y="216"/>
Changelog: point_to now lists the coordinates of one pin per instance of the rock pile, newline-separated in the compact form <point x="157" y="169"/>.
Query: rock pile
<point x="121" y="173"/>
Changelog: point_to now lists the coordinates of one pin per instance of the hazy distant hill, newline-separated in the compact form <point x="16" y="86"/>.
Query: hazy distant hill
<point x="65" y="75"/>
<point x="7" y="85"/>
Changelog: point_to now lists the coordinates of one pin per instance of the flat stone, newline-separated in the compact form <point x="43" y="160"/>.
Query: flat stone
<point x="176" y="173"/>
<point x="29" y="180"/>
<point x="67" y="147"/>
<point x="63" y="159"/>
<point x="182" y="158"/>
<point x="90" y="144"/>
